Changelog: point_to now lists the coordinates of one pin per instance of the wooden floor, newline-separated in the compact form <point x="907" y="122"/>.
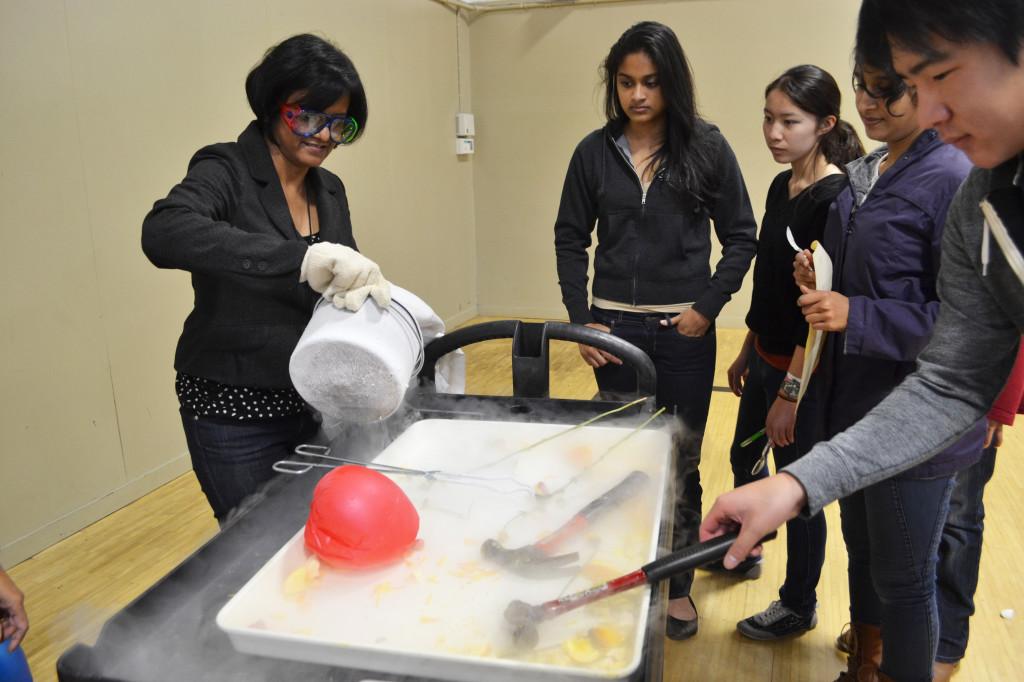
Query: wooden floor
<point x="74" y="586"/>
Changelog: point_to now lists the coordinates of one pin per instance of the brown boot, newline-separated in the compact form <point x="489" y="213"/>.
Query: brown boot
<point x="862" y="664"/>
<point x="941" y="672"/>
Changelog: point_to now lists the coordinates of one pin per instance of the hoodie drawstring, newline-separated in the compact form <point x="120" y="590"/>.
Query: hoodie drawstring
<point x="985" y="247"/>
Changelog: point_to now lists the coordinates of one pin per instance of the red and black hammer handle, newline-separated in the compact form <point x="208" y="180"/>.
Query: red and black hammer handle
<point x="626" y="488"/>
<point x="667" y="566"/>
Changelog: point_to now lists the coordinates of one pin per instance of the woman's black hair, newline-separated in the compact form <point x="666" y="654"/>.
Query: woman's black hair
<point x="309" y="65"/>
<point x="914" y="24"/>
<point x="816" y="92"/>
<point x="686" y="155"/>
<point x="872" y="51"/>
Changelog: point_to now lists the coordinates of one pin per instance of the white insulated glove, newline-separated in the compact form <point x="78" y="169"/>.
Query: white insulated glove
<point x="344" y="276"/>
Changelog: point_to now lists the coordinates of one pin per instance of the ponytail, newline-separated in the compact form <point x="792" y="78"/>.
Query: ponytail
<point x="841" y="145"/>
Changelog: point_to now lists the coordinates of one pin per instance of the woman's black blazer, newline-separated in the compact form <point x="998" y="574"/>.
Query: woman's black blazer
<point x="228" y="224"/>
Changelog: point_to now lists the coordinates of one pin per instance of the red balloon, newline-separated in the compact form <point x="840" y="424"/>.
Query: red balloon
<point x="360" y="518"/>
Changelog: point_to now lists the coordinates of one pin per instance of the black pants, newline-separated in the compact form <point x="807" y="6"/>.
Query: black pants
<point x="805" y="538"/>
<point x="686" y="370"/>
<point x="232" y="458"/>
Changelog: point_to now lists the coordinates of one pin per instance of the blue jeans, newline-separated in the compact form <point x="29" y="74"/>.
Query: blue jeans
<point x="232" y="458"/>
<point x="686" y="370"/>
<point x="805" y="538"/>
<point x="892" y="532"/>
<point x="960" y="555"/>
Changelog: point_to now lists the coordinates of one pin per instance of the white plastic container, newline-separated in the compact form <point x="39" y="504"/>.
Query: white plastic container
<point x="357" y="366"/>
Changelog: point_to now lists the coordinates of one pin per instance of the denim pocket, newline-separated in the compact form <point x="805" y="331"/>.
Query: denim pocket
<point x="602" y="316"/>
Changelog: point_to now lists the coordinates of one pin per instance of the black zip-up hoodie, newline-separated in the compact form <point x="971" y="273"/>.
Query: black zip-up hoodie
<point x="652" y="248"/>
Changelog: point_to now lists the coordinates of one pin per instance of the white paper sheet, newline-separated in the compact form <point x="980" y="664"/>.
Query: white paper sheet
<point x="815" y="339"/>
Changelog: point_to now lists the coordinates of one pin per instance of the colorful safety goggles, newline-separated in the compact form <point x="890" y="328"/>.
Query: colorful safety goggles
<point x="307" y="123"/>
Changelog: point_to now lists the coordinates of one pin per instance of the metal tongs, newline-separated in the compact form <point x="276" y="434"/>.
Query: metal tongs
<point x="295" y="467"/>
<point x="762" y="461"/>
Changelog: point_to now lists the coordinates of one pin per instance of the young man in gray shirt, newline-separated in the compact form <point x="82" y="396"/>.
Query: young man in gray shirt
<point x="966" y="62"/>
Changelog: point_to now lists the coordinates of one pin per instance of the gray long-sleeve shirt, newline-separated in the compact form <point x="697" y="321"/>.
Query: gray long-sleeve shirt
<point x="959" y="373"/>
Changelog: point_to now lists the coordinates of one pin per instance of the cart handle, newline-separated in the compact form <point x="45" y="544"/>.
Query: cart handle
<point x="530" y="366"/>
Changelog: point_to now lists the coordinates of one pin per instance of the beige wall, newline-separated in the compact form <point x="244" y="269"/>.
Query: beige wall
<point x="104" y="103"/>
<point x="536" y="94"/>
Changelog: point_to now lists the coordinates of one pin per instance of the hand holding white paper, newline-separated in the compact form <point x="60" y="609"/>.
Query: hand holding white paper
<point x="815" y="338"/>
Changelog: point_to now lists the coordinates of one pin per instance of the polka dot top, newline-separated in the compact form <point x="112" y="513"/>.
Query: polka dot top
<point x="208" y="398"/>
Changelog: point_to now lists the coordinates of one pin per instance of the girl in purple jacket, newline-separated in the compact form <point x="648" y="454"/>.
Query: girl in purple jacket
<point x="883" y="235"/>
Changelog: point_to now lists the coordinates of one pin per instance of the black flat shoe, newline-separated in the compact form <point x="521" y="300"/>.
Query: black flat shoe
<point x="678" y="629"/>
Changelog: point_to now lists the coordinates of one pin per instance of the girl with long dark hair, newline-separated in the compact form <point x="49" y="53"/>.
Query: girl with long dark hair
<point x="802" y="127"/>
<point x="652" y="180"/>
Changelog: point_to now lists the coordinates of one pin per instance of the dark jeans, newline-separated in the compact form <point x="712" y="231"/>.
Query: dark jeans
<point x="232" y="458"/>
<point x="805" y="538"/>
<point x="960" y="555"/>
<point x="892" y="532"/>
<point x="686" y="370"/>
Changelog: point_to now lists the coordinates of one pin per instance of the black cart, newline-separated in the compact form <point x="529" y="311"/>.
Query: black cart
<point x="169" y="632"/>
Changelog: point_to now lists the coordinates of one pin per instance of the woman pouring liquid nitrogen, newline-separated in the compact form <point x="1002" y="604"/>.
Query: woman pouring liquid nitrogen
<point x="263" y="230"/>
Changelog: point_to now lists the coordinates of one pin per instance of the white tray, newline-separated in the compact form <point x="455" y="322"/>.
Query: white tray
<point x="439" y="612"/>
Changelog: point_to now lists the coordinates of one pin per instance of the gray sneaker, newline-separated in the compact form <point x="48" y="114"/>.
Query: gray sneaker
<point x="776" y="622"/>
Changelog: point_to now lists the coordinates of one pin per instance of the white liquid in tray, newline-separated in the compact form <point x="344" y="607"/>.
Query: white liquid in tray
<point x="439" y="612"/>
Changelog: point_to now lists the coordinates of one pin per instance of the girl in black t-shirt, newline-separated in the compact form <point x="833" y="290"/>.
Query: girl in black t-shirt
<point x="802" y="128"/>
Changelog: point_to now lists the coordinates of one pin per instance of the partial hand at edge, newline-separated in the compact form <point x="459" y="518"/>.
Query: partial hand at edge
<point x="803" y="270"/>
<point x="738" y="372"/>
<point x="13" y="618"/>
<point x="689" y="323"/>
<point x="827" y="311"/>
<point x="780" y="425"/>
<point x="756" y="509"/>
<point x="344" y="276"/>
<point x="353" y="299"/>
<point x="594" y="357"/>
<point x="994" y="434"/>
